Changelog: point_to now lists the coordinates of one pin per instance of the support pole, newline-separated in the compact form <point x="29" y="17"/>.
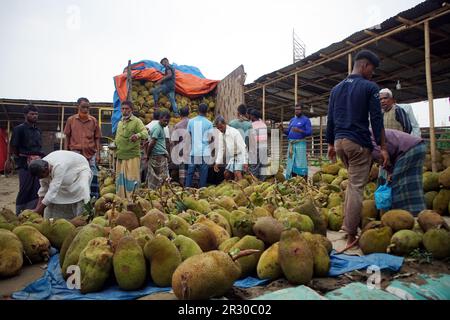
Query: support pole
<point x="296" y="89"/>
<point x="282" y="134"/>
<point x="264" y="103"/>
<point x="321" y="139"/>
<point x="350" y="63"/>
<point x="430" y="95"/>
<point x="62" y="129"/>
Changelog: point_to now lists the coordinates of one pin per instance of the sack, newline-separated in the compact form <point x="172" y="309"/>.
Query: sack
<point x="383" y="195"/>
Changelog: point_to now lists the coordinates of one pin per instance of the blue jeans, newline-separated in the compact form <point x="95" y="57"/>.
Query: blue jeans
<point x="167" y="91"/>
<point x="202" y="166"/>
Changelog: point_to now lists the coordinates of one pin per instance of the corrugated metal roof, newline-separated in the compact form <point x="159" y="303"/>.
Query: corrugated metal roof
<point x="402" y="59"/>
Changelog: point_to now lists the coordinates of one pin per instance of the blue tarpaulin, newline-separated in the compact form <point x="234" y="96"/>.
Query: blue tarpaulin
<point x="52" y="286"/>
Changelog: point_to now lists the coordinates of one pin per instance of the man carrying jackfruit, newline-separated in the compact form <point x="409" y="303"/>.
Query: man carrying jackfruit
<point x="65" y="179"/>
<point x="130" y="131"/>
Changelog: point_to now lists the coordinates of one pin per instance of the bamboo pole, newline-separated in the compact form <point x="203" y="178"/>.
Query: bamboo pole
<point x="62" y="129"/>
<point x="282" y="134"/>
<point x="430" y="95"/>
<point x="321" y="139"/>
<point x="296" y="88"/>
<point x="350" y="63"/>
<point x="264" y="103"/>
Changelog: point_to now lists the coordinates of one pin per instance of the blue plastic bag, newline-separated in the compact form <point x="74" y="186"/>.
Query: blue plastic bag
<point x="383" y="195"/>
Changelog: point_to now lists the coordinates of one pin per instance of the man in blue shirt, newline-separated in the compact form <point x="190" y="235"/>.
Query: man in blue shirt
<point x="200" y="130"/>
<point x="351" y="103"/>
<point x="299" y="129"/>
<point x="167" y="86"/>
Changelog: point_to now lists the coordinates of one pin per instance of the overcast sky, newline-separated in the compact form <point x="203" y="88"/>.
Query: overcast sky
<point x="61" y="50"/>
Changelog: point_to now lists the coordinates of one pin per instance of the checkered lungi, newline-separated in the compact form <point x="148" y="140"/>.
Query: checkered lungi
<point x="158" y="171"/>
<point x="407" y="184"/>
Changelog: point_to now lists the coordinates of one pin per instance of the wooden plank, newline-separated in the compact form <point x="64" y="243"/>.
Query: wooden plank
<point x="430" y="94"/>
<point x="230" y="94"/>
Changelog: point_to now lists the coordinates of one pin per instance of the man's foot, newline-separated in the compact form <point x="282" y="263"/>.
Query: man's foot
<point x="352" y="241"/>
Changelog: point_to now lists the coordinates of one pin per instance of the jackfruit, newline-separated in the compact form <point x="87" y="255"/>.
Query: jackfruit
<point x="429" y="198"/>
<point x="178" y="225"/>
<point x="444" y="178"/>
<point x="95" y="263"/>
<point x="167" y="232"/>
<point x="309" y="209"/>
<point x="298" y="221"/>
<point x="220" y="233"/>
<point x="129" y="264"/>
<point x="186" y="246"/>
<point x="398" y="220"/>
<point x="241" y="224"/>
<point x="268" y="230"/>
<point x="220" y="220"/>
<point x="295" y="257"/>
<point x="440" y="203"/>
<point x="369" y="212"/>
<point x="154" y="220"/>
<point x="248" y="264"/>
<point x="164" y="259"/>
<point x="404" y="242"/>
<point x="437" y="242"/>
<point x="375" y="240"/>
<point x="268" y="265"/>
<point x="227" y="245"/>
<point x="331" y="169"/>
<point x="335" y="218"/>
<point x="204" y="237"/>
<point x="11" y="254"/>
<point x="66" y="243"/>
<point x="430" y="181"/>
<point x="428" y="219"/>
<point x="142" y="235"/>
<point x="36" y="246"/>
<point x="334" y="200"/>
<point x="116" y="234"/>
<point x="227" y="203"/>
<point x="59" y="230"/>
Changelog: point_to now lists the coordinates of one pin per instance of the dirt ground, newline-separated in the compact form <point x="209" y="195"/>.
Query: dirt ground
<point x="9" y="186"/>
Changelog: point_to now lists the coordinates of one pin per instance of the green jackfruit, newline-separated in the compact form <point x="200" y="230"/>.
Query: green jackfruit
<point x="178" y="225"/>
<point x="309" y="209"/>
<point x="95" y="264"/>
<point x="335" y="218"/>
<point x="129" y="264"/>
<point x="268" y="265"/>
<point x="298" y="221"/>
<point x="186" y="246"/>
<point x="437" y="242"/>
<point x="248" y="264"/>
<point x="444" y="178"/>
<point x="241" y="224"/>
<point x="164" y="259"/>
<point x="440" y="203"/>
<point x="66" y="243"/>
<point x="428" y="219"/>
<point x="295" y="257"/>
<point x="154" y="220"/>
<point x="35" y="245"/>
<point x="429" y="198"/>
<point x="375" y="240"/>
<point x="11" y="254"/>
<point x="404" y="242"/>
<point x="268" y="230"/>
<point x="59" y="230"/>
<point x="142" y="235"/>
<point x="398" y="220"/>
<point x="220" y="220"/>
<point x="227" y="245"/>
<point x="430" y="181"/>
<point x="369" y="212"/>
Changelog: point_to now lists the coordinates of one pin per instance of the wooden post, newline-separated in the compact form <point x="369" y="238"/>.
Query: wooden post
<point x="282" y="134"/>
<point x="321" y="139"/>
<point x="430" y="95"/>
<point x="350" y="63"/>
<point x="264" y="103"/>
<point x="62" y="129"/>
<point x="296" y="89"/>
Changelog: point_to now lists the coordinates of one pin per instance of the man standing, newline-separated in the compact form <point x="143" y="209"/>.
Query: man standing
<point x="83" y="136"/>
<point x="167" y="86"/>
<point x="200" y="130"/>
<point x="299" y="129"/>
<point x="158" y="164"/>
<point x="231" y="150"/>
<point x="130" y="132"/>
<point x="65" y="180"/>
<point x="257" y="144"/>
<point x="394" y="117"/>
<point x="26" y="144"/>
<point x="407" y="156"/>
<point x="351" y="103"/>
<point x="241" y="123"/>
<point x="180" y="131"/>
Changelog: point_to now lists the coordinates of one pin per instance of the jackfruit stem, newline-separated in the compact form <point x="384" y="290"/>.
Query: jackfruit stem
<point x="243" y="253"/>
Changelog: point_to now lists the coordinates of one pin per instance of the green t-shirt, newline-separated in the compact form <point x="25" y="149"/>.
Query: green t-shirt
<point x="242" y="126"/>
<point x="160" y="146"/>
<point x="126" y="149"/>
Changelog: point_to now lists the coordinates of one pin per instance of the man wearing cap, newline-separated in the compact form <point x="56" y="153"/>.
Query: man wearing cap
<point x="395" y="118"/>
<point x="351" y="104"/>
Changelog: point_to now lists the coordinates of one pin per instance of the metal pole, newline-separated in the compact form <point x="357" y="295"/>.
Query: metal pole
<point x="62" y="129"/>
<point x="430" y="95"/>
<point x="264" y="103"/>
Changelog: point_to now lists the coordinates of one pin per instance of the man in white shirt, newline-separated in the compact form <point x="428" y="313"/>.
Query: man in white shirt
<point x="65" y="179"/>
<point x="231" y="150"/>
<point x="412" y="118"/>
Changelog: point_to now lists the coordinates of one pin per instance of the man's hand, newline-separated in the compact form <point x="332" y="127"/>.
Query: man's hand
<point x="331" y="153"/>
<point x="216" y="168"/>
<point x="385" y="157"/>
<point x="134" y="137"/>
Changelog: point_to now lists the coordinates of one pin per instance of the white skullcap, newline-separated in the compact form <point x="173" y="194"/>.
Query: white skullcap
<point x="387" y="91"/>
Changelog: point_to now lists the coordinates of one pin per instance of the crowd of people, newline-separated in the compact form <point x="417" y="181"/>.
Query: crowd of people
<point x="364" y="125"/>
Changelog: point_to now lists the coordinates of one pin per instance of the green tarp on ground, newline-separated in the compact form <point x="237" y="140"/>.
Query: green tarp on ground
<point x="425" y="288"/>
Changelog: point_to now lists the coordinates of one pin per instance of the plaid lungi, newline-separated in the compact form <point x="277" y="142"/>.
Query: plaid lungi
<point x="158" y="171"/>
<point x="407" y="184"/>
<point x="297" y="160"/>
<point x="182" y="173"/>
<point x="128" y="174"/>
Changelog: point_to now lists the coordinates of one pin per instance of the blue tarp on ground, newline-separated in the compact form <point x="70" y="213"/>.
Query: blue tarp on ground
<point x="430" y="288"/>
<point x="341" y="263"/>
<point x="52" y="286"/>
